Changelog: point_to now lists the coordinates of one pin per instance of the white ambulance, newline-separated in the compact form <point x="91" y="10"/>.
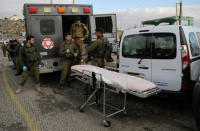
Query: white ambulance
<point x="49" y="22"/>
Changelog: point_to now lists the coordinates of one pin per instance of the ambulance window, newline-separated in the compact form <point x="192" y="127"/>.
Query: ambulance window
<point x="164" y="46"/>
<point x="105" y="23"/>
<point x="136" y="46"/>
<point x="194" y="45"/>
<point x="47" y="27"/>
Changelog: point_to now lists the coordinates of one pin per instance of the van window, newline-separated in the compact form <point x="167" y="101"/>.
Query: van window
<point x="47" y="27"/>
<point x="164" y="46"/>
<point x="137" y="46"/>
<point x="105" y="23"/>
<point x="194" y="46"/>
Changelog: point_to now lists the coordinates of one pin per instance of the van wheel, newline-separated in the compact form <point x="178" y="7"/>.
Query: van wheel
<point x="196" y="104"/>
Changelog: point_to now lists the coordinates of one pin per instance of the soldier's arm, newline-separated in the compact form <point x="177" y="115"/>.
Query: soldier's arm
<point x="86" y="32"/>
<point x="93" y="46"/>
<point x="22" y="56"/>
<point x="71" y="29"/>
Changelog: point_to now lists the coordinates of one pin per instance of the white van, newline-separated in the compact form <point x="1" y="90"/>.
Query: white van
<point x="168" y="55"/>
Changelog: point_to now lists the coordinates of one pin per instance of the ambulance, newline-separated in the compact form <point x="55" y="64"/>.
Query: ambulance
<point x="49" y="22"/>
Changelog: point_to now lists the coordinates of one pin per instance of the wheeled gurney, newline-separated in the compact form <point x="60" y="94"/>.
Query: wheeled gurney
<point x="103" y="79"/>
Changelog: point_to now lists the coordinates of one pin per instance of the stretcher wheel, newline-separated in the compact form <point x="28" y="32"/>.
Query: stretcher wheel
<point x="106" y="123"/>
<point x="125" y="113"/>
<point x="80" y="109"/>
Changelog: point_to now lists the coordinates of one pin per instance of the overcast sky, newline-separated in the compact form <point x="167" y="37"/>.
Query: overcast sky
<point x="129" y="12"/>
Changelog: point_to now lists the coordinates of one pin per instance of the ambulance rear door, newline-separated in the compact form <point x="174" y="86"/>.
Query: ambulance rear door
<point x="109" y="24"/>
<point x="48" y="34"/>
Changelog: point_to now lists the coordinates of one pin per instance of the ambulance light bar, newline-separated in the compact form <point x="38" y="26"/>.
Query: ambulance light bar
<point x="86" y="10"/>
<point x="74" y="10"/>
<point x="61" y="10"/>
<point x="32" y="10"/>
<point x="47" y="10"/>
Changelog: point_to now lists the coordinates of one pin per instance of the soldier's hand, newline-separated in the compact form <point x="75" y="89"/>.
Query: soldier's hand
<point x="75" y="54"/>
<point x="82" y="39"/>
<point x="67" y="51"/>
<point x="72" y="40"/>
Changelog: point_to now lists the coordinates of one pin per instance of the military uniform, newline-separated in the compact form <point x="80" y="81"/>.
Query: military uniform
<point x="94" y="50"/>
<point x="8" y="52"/>
<point x="30" y="58"/>
<point x="3" y="47"/>
<point x="18" y="51"/>
<point x="78" y="31"/>
<point x="67" y="58"/>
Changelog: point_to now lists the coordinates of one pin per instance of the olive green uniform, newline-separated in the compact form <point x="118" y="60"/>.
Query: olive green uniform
<point x="3" y="47"/>
<point x="67" y="58"/>
<point x="30" y="58"/>
<point x="8" y="52"/>
<point x="77" y="32"/>
<point x="18" y="51"/>
<point x="93" y="50"/>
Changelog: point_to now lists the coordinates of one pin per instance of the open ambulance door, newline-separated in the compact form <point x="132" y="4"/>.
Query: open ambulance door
<point x="109" y="24"/>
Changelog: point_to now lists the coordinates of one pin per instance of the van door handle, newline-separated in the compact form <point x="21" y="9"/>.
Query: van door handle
<point x="143" y="67"/>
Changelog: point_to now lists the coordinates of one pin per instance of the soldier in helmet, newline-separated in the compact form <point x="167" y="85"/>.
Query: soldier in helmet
<point x="68" y="52"/>
<point x="31" y="61"/>
<point x="79" y="32"/>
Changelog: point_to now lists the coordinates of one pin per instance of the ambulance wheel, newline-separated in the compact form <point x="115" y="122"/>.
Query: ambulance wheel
<point x="196" y="104"/>
<point x="106" y="123"/>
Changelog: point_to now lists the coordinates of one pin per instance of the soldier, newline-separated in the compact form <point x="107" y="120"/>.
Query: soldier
<point x="96" y="49"/>
<point x="79" y="32"/>
<point x="7" y="48"/>
<point x="31" y="61"/>
<point x="11" y="49"/>
<point x="18" y="51"/>
<point x="3" y="47"/>
<point x="68" y="52"/>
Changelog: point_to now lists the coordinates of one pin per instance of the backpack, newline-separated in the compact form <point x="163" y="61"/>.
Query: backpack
<point x="106" y="50"/>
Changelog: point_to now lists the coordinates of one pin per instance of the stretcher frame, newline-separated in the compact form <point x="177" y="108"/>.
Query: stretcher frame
<point x="97" y="85"/>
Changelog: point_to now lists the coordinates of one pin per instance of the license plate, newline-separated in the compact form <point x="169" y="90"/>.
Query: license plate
<point x="140" y="77"/>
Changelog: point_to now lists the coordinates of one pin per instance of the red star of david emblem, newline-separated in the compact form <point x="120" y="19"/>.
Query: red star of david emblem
<point x="48" y="46"/>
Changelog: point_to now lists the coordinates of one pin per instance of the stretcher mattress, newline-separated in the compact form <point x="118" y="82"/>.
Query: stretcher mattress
<point x="115" y="79"/>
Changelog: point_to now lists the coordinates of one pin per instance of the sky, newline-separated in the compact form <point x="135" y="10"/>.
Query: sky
<point x="130" y="13"/>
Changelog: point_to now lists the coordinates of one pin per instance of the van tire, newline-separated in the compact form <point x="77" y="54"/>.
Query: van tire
<point x="196" y="104"/>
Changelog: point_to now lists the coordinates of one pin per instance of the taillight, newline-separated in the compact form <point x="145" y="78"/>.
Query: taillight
<point x="185" y="86"/>
<point x="42" y="64"/>
<point x="185" y="57"/>
<point x="32" y="10"/>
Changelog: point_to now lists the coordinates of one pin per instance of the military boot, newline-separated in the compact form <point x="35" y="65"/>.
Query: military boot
<point x="38" y="87"/>
<point x="19" y="90"/>
<point x="61" y="86"/>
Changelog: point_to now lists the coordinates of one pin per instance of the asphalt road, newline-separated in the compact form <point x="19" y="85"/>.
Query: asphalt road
<point x="56" y="110"/>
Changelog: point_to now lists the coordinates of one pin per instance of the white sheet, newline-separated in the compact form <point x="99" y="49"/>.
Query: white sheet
<point x="115" y="79"/>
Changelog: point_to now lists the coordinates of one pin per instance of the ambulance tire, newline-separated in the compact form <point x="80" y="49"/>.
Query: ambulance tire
<point x="196" y="104"/>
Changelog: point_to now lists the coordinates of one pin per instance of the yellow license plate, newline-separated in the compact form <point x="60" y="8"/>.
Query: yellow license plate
<point x="140" y="77"/>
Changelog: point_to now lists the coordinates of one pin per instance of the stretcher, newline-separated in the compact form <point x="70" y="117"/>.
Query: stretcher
<point x="102" y="81"/>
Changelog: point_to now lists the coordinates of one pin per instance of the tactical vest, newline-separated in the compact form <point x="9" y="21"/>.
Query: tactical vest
<point x="70" y="47"/>
<point x="31" y="56"/>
